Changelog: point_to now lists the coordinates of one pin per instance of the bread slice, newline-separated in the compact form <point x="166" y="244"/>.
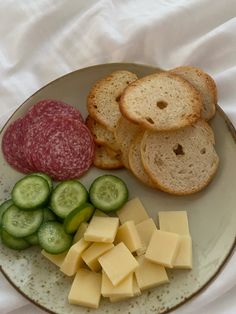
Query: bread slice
<point x="103" y="99"/>
<point x="101" y="134"/>
<point x="104" y="160"/>
<point x="205" y="84"/>
<point x="161" y="101"/>
<point x="125" y="133"/>
<point x="180" y="162"/>
<point x="135" y="161"/>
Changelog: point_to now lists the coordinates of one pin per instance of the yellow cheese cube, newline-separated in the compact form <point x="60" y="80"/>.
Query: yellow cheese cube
<point x="127" y="233"/>
<point x="73" y="260"/>
<point x="99" y="213"/>
<point x="56" y="259"/>
<point x="183" y="258"/>
<point x="163" y="248"/>
<point x="174" y="221"/>
<point x="86" y="289"/>
<point x="132" y="210"/>
<point x="80" y="232"/>
<point x="102" y="229"/>
<point x="118" y="263"/>
<point x="150" y="274"/>
<point x="136" y="292"/>
<point x="145" y="230"/>
<point x="123" y="289"/>
<point x="91" y="255"/>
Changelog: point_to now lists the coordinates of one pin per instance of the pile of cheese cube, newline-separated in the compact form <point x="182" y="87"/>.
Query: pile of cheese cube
<point x="118" y="257"/>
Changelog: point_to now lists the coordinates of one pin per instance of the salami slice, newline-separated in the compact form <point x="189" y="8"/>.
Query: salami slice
<point x="13" y="145"/>
<point x="54" y="107"/>
<point x="60" y="146"/>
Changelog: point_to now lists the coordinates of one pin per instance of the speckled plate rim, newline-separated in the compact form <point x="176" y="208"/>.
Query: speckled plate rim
<point x="232" y="250"/>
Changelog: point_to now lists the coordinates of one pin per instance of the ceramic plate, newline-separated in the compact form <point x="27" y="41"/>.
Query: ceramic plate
<point x="212" y="216"/>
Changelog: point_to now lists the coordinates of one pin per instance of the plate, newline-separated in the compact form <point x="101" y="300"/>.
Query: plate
<point x="212" y="216"/>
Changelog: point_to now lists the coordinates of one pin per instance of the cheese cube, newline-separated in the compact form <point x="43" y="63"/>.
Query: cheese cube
<point x="145" y="230"/>
<point x="102" y="229"/>
<point x="136" y="292"/>
<point x="184" y="256"/>
<point x="73" y="260"/>
<point x="123" y="289"/>
<point x="132" y="210"/>
<point x="118" y="263"/>
<point x="174" y="221"/>
<point x="56" y="259"/>
<point x="150" y="274"/>
<point x="91" y="255"/>
<point x="163" y="248"/>
<point x="86" y="289"/>
<point x="80" y="232"/>
<point x="127" y="233"/>
<point x="99" y="213"/>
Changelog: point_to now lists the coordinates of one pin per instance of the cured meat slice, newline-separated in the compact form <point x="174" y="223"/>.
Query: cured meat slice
<point x="54" y="107"/>
<point x="60" y="146"/>
<point x="13" y="145"/>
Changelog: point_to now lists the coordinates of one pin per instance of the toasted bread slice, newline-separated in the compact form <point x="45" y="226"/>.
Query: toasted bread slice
<point x="104" y="160"/>
<point x="125" y="133"/>
<point x="135" y="161"/>
<point x="161" y="102"/>
<point x="180" y="162"/>
<point x="103" y="99"/>
<point x="205" y="84"/>
<point x="101" y="134"/>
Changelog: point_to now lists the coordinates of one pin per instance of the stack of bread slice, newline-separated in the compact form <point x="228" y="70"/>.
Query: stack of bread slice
<point x="156" y="127"/>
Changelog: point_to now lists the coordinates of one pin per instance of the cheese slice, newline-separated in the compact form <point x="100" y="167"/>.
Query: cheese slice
<point x="102" y="229"/>
<point x="183" y="258"/>
<point x="86" y="289"/>
<point x="149" y="274"/>
<point x="80" y="232"/>
<point x="136" y="292"/>
<point x="56" y="259"/>
<point x="123" y="289"/>
<point x="118" y="263"/>
<point x="174" y="221"/>
<point x="127" y="233"/>
<point x="91" y="255"/>
<point x="145" y="230"/>
<point x="132" y="210"/>
<point x="163" y="248"/>
<point x="73" y="260"/>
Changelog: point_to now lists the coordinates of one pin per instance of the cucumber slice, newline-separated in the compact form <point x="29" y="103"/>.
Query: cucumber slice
<point x="31" y="192"/>
<point x="108" y="193"/>
<point x="33" y="239"/>
<point x="12" y="242"/>
<point x="77" y="216"/>
<point x="53" y="238"/>
<point x="67" y="196"/>
<point x="5" y="205"/>
<point x="45" y="177"/>
<point x="21" y="223"/>
<point x="48" y="215"/>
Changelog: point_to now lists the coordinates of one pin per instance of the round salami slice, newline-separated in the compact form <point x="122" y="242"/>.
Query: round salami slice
<point x="53" y="107"/>
<point x="60" y="146"/>
<point x="13" y="145"/>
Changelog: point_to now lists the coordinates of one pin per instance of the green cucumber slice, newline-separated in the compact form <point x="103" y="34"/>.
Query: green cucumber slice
<point x="32" y="239"/>
<point x="31" y="192"/>
<point x="81" y="214"/>
<point x="45" y="177"/>
<point x="12" y="242"/>
<point x="67" y="196"/>
<point x="48" y="215"/>
<point x="108" y="193"/>
<point x="5" y="205"/>
<point x="21" y="223"/>
<point x="53" y="238"/>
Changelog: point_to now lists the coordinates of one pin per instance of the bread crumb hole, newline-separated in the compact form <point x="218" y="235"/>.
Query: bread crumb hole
<point x="162" y="104"/>
<point x="178" y="150"/>
<point x="203" y="151"/>
<point x="95" y="106"/>
<point x="149" y="120"/>
<point x="118" y="98"/>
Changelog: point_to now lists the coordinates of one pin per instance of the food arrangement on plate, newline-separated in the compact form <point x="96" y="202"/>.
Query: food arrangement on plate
<point x="156" y="127"/>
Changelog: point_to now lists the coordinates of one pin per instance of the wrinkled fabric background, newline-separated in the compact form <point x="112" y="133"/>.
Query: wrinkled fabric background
<point x="44" y="39"/>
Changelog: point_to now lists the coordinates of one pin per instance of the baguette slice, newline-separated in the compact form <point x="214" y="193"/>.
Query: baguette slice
<point x="103" y="99"/>
<point x="104" y="160"/>
<point x="161" y="102"/>
<point x="205" y="84"/>
<point x="180" y="162"/>
<point x="135" y="161"/>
